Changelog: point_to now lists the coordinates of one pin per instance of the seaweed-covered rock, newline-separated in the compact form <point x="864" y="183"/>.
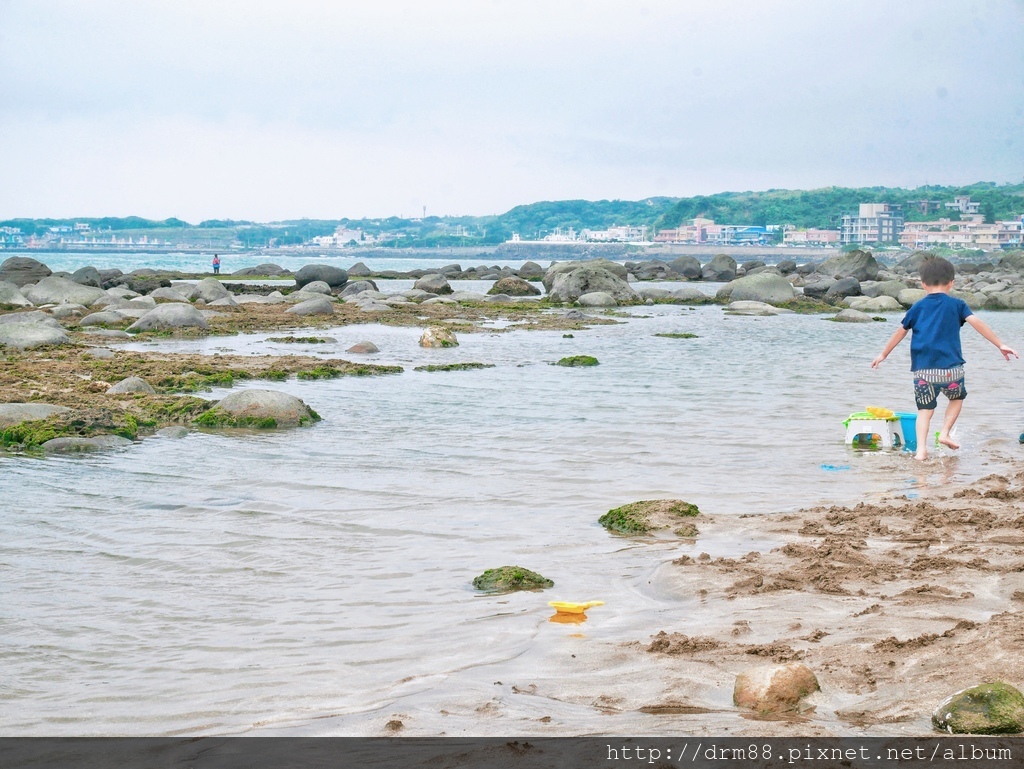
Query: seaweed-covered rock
<point x="15" y="413"/>
<point x="995" y="708"/>
<point x="133" y="384"/>
<point x="774" y="688"/>
<point x="514" y="286"/>
<point x="507" y="579"/>
<point x="438" y="336"/>
<point x="264" y="409"/>
<point x="575" y="361"/>
<point x="647" y="515"/>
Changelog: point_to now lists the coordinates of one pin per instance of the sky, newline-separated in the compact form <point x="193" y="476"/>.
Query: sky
<point x="275" y="110"/>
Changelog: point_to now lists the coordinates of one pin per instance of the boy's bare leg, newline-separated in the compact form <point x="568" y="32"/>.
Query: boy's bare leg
<point x="924" y="420"/>
<point x="952" y="412"/>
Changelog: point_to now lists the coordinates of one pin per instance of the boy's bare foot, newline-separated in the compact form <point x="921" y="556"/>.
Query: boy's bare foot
<point x="921" y="455"/>
<point x="945" y="440"/>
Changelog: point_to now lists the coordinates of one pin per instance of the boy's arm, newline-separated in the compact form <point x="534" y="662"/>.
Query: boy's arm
<point x="894" y="340"/>
<point x="983" y="328"/>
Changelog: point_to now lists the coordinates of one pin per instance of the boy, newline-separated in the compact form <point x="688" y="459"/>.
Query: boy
<point x="935" y="357"/>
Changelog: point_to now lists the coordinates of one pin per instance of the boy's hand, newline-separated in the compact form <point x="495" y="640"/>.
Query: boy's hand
<point x="877" y="361"/>
<point x="1007" y="351"/>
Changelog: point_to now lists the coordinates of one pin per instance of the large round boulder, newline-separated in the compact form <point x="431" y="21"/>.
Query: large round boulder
<point x="852" y="316"/>
<point x="876" y="304"/>
<point x="11" y="296"/>
<point x="774" y="688"/>
<point x="335" y="277"/>
<point x="15" y="413"/>
<point x="133" y="384"/>
<point x="317" y="287"/>
<point x="721" y="269"/>
<point x="260" y="270"/>
<point x="560" y="268"/>
<point x="88" y="276"/>
<point x="1013" y="261"/>
<point x="170" y="316"/>
<point x="588" y="278"/>
<point x="433" y="283"/>
<point x="28" y="330"/>
<point x="438" y="336"/>
<point x="210" y="290"/>
<point x="106" y="318"/>
<point x="319" y="306"/>
<point x="597" y="299"/>
<point x="762" y="287"/>
<point x="22" y="270"/>
<point x="514" y="286"/>
<point x="855" y="264"/>
<point x="530" y="270"/>
<point x="787" y="266"/>
<point x="818" y="288"/>
<point x="56" y="290"/>
<point x="356" y="287"/>
<point x="909" y="296"/>
<point x="841" y="288"/>
<point x="995" y="708"/>
<point x="913" y="263"/>
<point x="259" y="408"/>
<point x="169" y="295"/>
<point x="687" y="266"/>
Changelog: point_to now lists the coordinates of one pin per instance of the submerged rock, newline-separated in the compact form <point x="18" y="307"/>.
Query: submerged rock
<point x="575" y="361"/>
<point x="507" y="579"/>
<point x="647" y="515"/>
<point x="852" y="316"/>
<point x="995" y="708"/>
<point x="363" y="348"/>
<point x="74" y="445"/>
<point x="774" y="688"/>
<point x="438" y="336"/>
<point x="174" y="432"/>
<point x="264" y="409"/>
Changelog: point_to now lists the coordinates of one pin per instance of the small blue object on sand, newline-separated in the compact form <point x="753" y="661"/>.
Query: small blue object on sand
<point x="1021" y="439"/>
<point x="837" y="468"/>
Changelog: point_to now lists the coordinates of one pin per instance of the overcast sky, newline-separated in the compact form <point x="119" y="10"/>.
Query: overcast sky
<point x="272" y="110"/>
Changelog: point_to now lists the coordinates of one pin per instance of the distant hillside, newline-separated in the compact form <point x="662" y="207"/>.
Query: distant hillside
<point x="801" y="208"/>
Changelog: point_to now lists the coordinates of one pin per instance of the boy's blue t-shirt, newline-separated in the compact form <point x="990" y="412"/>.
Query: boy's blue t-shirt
<point x="935" y="321"/>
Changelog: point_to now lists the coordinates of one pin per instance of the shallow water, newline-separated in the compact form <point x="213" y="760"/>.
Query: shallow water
<point x="310" y="581"/>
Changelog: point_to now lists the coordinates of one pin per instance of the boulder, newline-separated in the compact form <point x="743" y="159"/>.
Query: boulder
<point x="260" y="270"/>
<point x="433" y="284"/>
<point x="786" y="266"/>
<point x="12" y="297"/>
<point x="513" y="286"/>
<point x="912" y="263"/>
<point x="748" y="307"/>
<point x="560" y="268"/>
<point x="530" y="270"/>
<point x="447" y="300"/>
<point x="878" y="304"/>
<point x="335" y="277"/>
<point x="210" y="290"/>
<point x="259" y="408"/>
<point x="690" y="295"/>
<point x="890" y="288"/>
<point x="587" y="278"/>
<point x="687" y="266"/>
<point x="357" y="286"/>
<point x="1011" y="261"/>
<point x="68" y="311"/>
<point x="774" y="688"/>
<point x="143" y="284"/>
<point x="297" y="297"/>
<point x="909" y="296"/>
<point x="597" y="299"/>
<point x="842" y="288"/>
<point x="438" y="336"/>
<point x="657" y="294"/>
<point x="317" y="287"/>
<point x="106" y="318"/>
<point x="121" y="292"/>
<point x="224" y="301"/>
<point x="168" y="295"/>
<point x="88" y="276"/>
<point x="762" y="287"/>
<point x="26" y="336"/>
<point x="372" y="305"/>
<point x="15" y="413"/>
<point x="133" y="384"/>
<point x="754" y="264"/>
<point x="84" y="445"/>
<point x="852" y="316"/>
<point x="363" y="348"/>
<point x="855" y="264"/>
<point x="818" y="288"/>
<point x="359" y="270"/>
<point x="55" y="290"/>
<point x="22" y="270"/>
<point x="995" y="708"/>
<point x="721" y="269"/>
<point x="319" y="306"/>
<point x="170" y="316"/>
<point x="806" y="269"/>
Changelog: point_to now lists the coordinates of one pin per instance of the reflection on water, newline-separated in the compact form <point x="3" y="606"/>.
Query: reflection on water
<point x="219" y="584"/>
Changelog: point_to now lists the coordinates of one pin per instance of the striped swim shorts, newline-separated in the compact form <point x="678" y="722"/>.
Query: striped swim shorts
<point x="929" y="382"/>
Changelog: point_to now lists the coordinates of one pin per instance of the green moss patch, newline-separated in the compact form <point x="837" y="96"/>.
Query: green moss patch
<point x="647" y="515"/>
<point x="301" y="339"/>
<point x="574" y="361"/>
<point x="678" y="336"/>
<point x="995" y="708"/>
<point x="454" y="367"/>
<point x="507" y="579"/>
<point x="804" y="305"/>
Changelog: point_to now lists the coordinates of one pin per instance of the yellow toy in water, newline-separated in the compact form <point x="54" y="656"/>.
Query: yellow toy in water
<point x="878" y="411"/>
<point x="569" y="607"/>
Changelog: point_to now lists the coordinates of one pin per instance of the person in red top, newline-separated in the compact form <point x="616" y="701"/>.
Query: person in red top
<point x="936" y="360"/>
<point x="216" y="265"/>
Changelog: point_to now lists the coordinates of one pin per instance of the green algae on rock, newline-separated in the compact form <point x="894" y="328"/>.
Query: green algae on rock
<point x="454" y="366"/>
<point x="648" y="515"/>
<point x="574" y="361"/>
<point x="677" y="336"/>
<point x="507" y="579"/>
<point x="995" y="708"/>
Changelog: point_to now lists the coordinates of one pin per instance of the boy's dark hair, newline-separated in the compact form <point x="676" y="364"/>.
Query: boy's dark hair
<point x="936" y="271"/>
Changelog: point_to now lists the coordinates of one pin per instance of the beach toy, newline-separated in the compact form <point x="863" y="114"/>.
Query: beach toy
<point x="875" y="426"/>
<point x="908" y="423"/>
<point x="878" y="411"/>
<point x="835" y="468"/>
<point x="570" y="607"/>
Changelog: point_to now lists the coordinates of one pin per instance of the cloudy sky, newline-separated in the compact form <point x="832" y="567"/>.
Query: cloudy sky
<point x="270" y="110"/>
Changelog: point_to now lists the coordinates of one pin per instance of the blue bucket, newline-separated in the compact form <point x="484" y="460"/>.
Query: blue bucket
<point x="908" y="423"/>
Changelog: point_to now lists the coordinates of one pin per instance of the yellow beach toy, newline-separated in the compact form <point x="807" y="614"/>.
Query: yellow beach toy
<point x="569" y="607"/>
<point x="878" y="411"/>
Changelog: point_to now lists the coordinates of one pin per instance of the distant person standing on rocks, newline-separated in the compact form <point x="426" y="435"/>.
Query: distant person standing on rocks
<point x="216" y="265"/>
<point x="935" y="356"/>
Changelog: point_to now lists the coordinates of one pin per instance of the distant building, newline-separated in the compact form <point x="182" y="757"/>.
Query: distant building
<point x="925" y="206"/>
<point x="964" y="205"/>
<point x="615" y="234"/>
<point x="973" y="233"/>
<point x="811" y="237"/>
<point x="82" y="227"/>
<point x="874" y="223"/>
